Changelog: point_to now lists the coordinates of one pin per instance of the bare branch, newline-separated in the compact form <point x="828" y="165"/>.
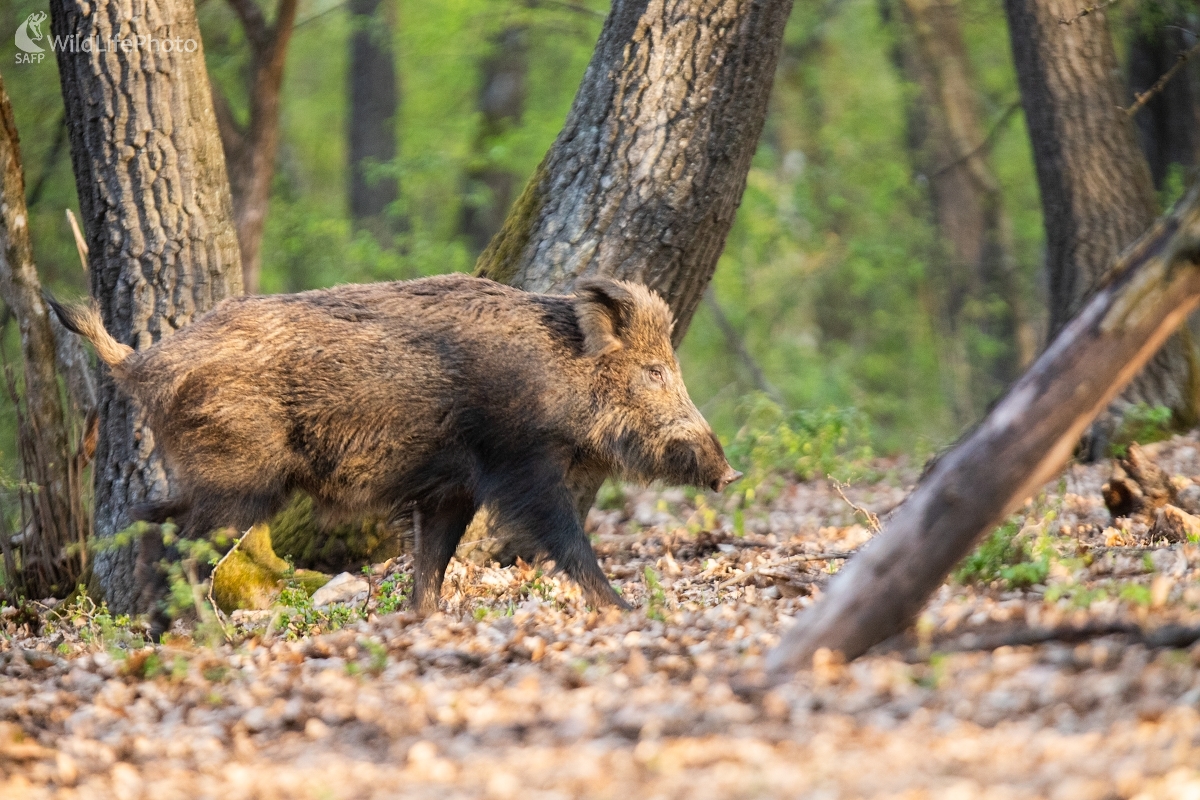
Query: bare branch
<point x="1148" y="95"/>
<point x="987" y="142"/>
<point x="871" y="517"/>
<point x="80" y="243"/>
<point x="1088" y="10"/>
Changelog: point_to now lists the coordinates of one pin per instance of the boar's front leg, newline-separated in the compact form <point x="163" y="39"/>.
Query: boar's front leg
<point x="437" y="530"/>
<point x="535" y="503"/>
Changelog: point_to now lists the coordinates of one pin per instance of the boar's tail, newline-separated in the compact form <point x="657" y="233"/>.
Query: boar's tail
<point x="85" y="320"/>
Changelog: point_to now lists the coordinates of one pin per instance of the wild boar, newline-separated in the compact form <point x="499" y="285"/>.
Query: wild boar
<point x="435" y="395"/>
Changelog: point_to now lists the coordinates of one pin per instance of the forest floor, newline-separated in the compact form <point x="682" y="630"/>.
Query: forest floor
<point x="518" y="691"/>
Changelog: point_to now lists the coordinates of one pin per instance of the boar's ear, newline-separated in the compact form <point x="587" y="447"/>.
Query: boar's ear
<point x="603" y="307"/>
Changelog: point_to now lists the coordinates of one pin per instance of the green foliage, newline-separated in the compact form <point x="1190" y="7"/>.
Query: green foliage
<point x="1142" y="424"/>
<point x="94" y="624"/>
<point x="299" y="618"/>
<point x="802" y="444"/>
<point x="656" y="597"/>
<point x="1007" y="557"/>
<point x="394" y="593"/>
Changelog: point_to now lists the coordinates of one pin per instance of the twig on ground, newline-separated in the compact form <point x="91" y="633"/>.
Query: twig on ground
<point x="871" y="517"/>
<point x="783" y="562"/>
<point x="1170" y="636"/>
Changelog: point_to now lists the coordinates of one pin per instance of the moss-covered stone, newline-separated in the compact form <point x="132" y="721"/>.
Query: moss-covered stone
<point x="251" y="576"/>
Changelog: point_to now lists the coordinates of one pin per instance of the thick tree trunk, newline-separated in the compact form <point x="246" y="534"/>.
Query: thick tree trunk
<point x="154" y="197"/>
<point x="250" y="150"/>
<point x="54" y="517"/>
<point x="950" y="149"/>
<point x="490" y="187"/>
<point x="649" y="169"/>
<point x="374" y="102"/>
<point x="1097" y="193"/>
<point x="1017" y="448"/>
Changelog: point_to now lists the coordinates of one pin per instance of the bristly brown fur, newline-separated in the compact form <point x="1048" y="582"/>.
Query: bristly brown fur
<point x="437" y="395"/>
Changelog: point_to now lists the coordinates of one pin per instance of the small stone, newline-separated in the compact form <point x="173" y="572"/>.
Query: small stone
<point x="343" y="588"/>
<point x="315" y="729"/>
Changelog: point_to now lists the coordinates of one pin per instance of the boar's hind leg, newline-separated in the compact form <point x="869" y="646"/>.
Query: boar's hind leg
<point x="437" y="530"/>
<point x="547" y="516"/>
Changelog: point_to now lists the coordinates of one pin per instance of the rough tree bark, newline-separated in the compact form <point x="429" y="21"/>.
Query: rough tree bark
<point x="649" y="169"/>
<point x="490" y="187"/>
<point x="374" y="102"/>
<point x="54" y="517"/>
<point x="250" y="149"/>
<point x="1018" y="447"/>
<point x="951" y="151"/>
<point x="156" y="211"/>
<point x="644" y="179"/>
<point x="1097" y="193"/>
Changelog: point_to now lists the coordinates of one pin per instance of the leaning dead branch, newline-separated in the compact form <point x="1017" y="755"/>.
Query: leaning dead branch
<point x="1019" y="446"/>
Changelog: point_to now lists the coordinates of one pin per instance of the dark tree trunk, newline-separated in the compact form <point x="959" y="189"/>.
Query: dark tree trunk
<point x="154" y="197"/>
<point x="489" y="186"/>
<point x="53" y="515"/>
<point x="649" y="169"/>
<point x="250" y="149"/>
<point x="1017" y="448"/>
<point x="374" y="101"/>
<point x="1167" y="125"/>
<point x="1097" y="193"/>
<point x="951" y="151"/>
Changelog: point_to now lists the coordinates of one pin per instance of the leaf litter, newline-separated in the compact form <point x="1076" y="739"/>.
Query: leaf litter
<point x="518" y="690"/>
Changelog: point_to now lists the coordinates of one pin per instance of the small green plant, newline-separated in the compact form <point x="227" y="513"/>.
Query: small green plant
<point x="1142" y="424"/>
<point x="299" y="618"/>
<point x="379" y="656"/>
<point x="773" y="443"/>
<point x="95" y="625"/>
<point x="1007" y="557"/>
<point x="394" y="592"/>
<point x="611" y="496"/>
<point x="537" y="585"/>
<point x="656" y="597"/>
<point x="1135" y="594"/>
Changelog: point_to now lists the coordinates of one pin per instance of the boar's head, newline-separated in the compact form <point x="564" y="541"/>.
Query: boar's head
<point x="643" y="420"/>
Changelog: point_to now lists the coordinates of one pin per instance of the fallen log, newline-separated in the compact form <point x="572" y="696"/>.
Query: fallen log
<point x="1014" y="451"/>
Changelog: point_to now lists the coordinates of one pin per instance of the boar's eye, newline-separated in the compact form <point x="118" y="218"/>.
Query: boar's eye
<point x="657" y="373"/>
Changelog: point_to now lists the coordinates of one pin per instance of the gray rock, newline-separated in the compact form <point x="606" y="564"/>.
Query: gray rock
<point x="343" y="588"/>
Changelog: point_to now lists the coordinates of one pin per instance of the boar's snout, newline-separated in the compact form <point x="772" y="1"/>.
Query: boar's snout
<point x="729" y="477"/>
